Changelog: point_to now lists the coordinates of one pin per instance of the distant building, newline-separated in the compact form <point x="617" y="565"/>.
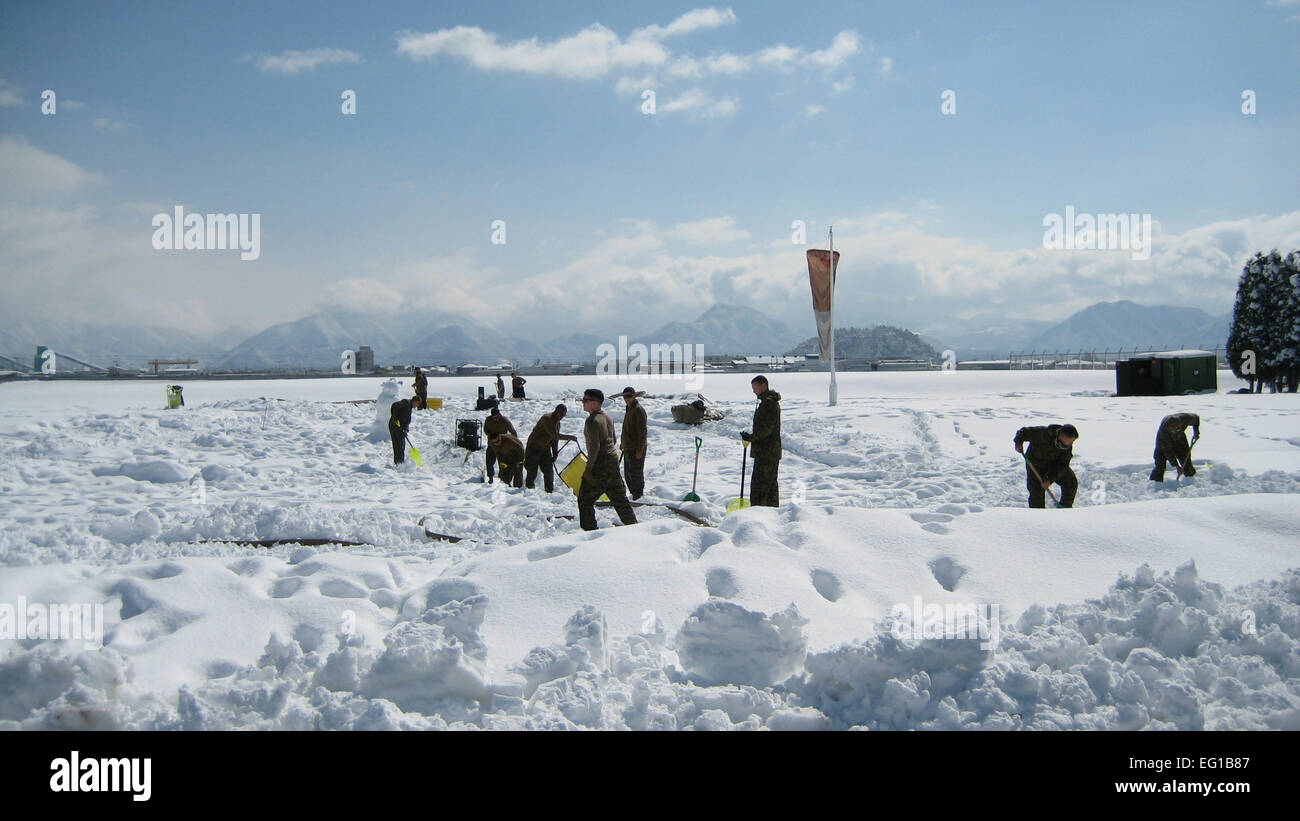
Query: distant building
<point x="365" y="360"/>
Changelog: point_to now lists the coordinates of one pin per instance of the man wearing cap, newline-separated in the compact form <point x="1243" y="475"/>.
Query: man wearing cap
<point x="544" y="446"/>
<point x="601" y="475"/>
<point x="1050" y="451"/>
<point x="765" y="444"/>
<point x="633" y="443"/>
<point x="495" y="425"/>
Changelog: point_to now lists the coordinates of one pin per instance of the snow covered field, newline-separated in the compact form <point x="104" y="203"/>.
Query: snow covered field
<point x="1174" y="606"/>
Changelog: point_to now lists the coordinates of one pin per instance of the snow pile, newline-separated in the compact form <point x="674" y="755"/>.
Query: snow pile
<point x="723" y="643"/>
<point x="1157" y="652"/>
<point x="158" y="471"/>
<point x="1167" y="652"/>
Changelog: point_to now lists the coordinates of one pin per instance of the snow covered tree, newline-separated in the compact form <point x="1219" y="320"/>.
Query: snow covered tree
<point x="1246" y="335"/>
<point x="1284" y="289"/>
<point x="1265" y="332"/>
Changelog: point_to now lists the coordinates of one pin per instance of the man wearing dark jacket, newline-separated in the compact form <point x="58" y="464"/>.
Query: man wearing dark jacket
<point x="421" y="388"/>
<point x="765" y="444"/>
<point x="633" y="444"/>
<point x="517" y="386"/>
<point x="601" y="475"/>
<point x="1050" y="449"/>
<point x="510" y="454"/>
<point x="1172" y="445"/>
<point x="494" y="426"/>
<point x="543" y="447"/>
<point x="501" y="388"/>
<point x="399" y="422"/>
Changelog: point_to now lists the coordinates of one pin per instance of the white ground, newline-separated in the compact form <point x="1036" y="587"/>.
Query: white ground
<point x="773" y="618"/>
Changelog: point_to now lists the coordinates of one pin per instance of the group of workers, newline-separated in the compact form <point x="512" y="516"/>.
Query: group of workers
<point x="1047" y="460"/>
<point x="1052" y="446"/>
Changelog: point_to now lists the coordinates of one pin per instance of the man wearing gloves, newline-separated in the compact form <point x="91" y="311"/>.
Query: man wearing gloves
<point x="601" y="475"/>
<point x="1172" y="446"/>
<point x="1050" y="449"/>
<point x="765" y="444"/>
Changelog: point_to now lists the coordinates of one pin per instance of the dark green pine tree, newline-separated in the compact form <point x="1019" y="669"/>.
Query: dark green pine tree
<point x="1266" y="322"/>
<point x="1246" y="337"/>
<point x="1284" y="289"/>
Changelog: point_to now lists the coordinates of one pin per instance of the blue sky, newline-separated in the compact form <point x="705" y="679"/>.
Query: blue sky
<point x="531" y="113"/>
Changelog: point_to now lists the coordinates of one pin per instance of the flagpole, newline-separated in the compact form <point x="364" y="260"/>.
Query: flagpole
<point x="830" y="241"/>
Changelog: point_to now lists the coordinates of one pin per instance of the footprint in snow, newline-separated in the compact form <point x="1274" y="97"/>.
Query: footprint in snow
<point x="163" y="571"/>
<point x="721" y="582"/>
<point x="827" y="584"/>
<point x="549" y="551"/>
<point x="947" y="572"/>
<point x="284" y="588"/>
<point x="245" y="567"/>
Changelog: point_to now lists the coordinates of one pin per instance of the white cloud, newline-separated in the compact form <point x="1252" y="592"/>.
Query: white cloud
<point x="107" y="124"/>
<point x="591" y="53"/>
<point x="841" y="86"/>
<point x="295" y="62"/>
<point x="813" y="110"/>
<point x="597" y="51"/>
<point x="682" y="67"/>
<point x="844" y="46"/>
<point x="10" y="94"/>
<point x="728" y="64"/>
<point x="781" y="56"/>
<point x="691" y="21"/>
<point x="709" y="231"/>
<point x="886" y="65"/>
<point x="72" y="105"/>
<point x="700" y="104"/>
<point x="635" y="85"/>
<point x="26" y="170"/>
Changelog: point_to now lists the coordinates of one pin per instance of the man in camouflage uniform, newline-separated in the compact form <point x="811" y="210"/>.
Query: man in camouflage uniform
<point x="1050" y="449"/>
<point x="510" y="455"/>
<point x="495" y="425"/>
<point x="633" y="444"/>
<point x="421" y="389"/>
<point x="1172" y="445"/>
<point x="601" y="475"/>
<point x="765" y="444"/>
<point x="544" y="446"/>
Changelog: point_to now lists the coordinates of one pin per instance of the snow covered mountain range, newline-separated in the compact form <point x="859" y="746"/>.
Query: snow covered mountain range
<point x="317" y="341"/>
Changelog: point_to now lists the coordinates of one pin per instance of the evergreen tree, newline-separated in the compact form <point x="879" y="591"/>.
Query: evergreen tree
<point x="1246" y="335"/>
<point x="1266" y="322"/>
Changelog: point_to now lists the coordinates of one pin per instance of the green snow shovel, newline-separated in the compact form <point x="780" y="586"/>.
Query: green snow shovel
<point x="737" y="504"/>
<point x="1055" y="501"/>
<point x="693" y="496"/>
